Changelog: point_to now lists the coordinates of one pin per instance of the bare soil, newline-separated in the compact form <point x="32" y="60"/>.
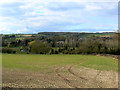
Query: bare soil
<point x="69" y="76"/>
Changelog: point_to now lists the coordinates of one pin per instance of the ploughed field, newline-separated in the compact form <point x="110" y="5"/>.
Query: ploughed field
<point x="59" y="71"/>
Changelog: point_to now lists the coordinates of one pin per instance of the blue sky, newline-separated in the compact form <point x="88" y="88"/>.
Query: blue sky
<point x="33" y="16"/>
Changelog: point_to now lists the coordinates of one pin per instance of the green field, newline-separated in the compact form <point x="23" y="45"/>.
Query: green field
<point x="45" y="62"/>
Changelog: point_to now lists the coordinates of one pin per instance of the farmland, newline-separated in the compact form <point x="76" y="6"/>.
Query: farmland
<point x="60" y="60"/>
<point x="59" y="71"/>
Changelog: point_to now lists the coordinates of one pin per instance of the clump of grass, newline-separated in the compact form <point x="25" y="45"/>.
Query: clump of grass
<point x="49" y="72"/>
<point x="66" y="71"/>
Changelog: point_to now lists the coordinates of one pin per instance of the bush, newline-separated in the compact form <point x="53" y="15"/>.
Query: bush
<point x="8" y="50"/>
<point x="56" y="52"/>
<point x="52" y="51"/>
<point x="40" y="48"/>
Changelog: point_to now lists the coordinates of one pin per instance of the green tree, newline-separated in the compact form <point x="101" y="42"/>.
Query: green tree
<point x="40" y="47"/>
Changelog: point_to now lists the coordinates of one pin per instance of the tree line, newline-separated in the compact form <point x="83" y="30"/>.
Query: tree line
<point x="61" y="44"/>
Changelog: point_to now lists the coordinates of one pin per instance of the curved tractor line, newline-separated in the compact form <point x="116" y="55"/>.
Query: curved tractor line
<point x="70" y="71"/>
<point x="65" y="79"/>
<point x="94" y="80"/>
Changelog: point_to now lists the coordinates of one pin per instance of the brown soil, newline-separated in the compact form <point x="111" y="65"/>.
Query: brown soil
<point x="60" y="77"/>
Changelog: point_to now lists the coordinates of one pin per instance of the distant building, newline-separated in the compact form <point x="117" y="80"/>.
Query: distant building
<point x="106" y="37"/>
<point x="22" y="50"/>
<point x="82" y="38"/>
<point x="60" y="42"/>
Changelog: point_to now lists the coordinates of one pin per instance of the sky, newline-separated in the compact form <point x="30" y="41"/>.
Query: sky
<point x="33" y="16"/>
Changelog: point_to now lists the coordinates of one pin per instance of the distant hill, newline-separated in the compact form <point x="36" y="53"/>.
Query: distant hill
<point x="79" y="34"/>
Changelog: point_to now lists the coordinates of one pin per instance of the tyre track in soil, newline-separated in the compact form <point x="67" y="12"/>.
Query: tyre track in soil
<point x="94" y="81"/>
<point x="65" y="79"/>
<point x="69" y="70"/>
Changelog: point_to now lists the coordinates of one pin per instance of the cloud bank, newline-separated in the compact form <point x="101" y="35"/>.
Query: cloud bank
<point x="33" y="16"/>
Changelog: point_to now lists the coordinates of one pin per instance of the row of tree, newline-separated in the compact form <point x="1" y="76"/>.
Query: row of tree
<point x="63" y="45"/>
<point x="88" y="46"/>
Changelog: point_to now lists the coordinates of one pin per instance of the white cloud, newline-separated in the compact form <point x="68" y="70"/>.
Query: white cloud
<point x="4" y="30"/>
<point x="36" y="1"/>
<point x="18" y="31"/>
<point x="91" y="7"/>
<point x="42" y="13"/>
<point x="22" y="30"/>
<point x="26" y="6"/>
<point x="107" y="26"/>
<point x="25" y="29"/>
<point x="8" y="1"/>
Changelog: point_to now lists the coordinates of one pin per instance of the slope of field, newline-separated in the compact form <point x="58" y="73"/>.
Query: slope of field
<point x="59" y="71"/>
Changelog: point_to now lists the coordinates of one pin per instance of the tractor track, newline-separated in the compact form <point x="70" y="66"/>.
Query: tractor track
<point x="96" y="83"/>
<point x="94" y="80"/>
<point x="70" y="71"/>
<point x="65" y="79"/>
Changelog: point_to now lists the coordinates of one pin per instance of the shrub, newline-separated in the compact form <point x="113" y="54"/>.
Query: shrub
<point x="8" y="50"/>
<point x="40" y="48"/>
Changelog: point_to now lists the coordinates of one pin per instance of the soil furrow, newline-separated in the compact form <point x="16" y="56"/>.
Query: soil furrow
<point x="94" y="80"/>
<point x="65" y="79"/>
<point x="70" y="71"/>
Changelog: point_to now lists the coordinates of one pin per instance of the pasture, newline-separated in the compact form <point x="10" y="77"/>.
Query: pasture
<point x="59" y="71"/>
